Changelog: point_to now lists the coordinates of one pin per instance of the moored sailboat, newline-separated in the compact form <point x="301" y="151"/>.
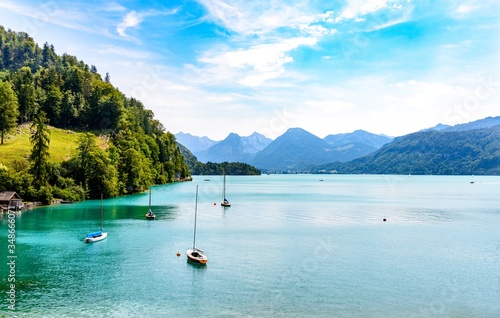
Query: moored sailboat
<point x="150" y="215"/>
<point x="224" y="202"/>
<point x="96" y="236"/>
<point x="195" y="254"/>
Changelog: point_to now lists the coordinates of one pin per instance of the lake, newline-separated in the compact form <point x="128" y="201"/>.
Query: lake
<point x="289" y="246"/>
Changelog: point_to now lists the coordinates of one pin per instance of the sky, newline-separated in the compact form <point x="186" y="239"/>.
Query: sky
<point x="212" y="67"/>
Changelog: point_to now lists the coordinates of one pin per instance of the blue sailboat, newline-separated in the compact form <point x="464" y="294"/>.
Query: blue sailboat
<point x="96" y="236"/>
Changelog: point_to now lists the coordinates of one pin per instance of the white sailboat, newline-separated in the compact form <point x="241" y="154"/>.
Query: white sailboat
<point x="224" y="202"/>
<point x="96" y="236"/>
<point x="150" y="215"/>
<point x="195" y="254"/>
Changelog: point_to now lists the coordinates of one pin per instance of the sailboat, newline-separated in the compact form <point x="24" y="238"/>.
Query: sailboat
<point x="150" y="215"/>
<point x="196" y="255"/>
<point x="224" y="202"/>
<point x="96" y="236"/>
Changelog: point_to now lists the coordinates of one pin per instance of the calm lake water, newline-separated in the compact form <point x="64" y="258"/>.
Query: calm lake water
<point x="289" y="246"/>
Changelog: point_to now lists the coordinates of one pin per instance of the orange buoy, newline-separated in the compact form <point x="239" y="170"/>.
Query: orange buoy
<point x="215" y="203"/>
<point x="178" y="253"/>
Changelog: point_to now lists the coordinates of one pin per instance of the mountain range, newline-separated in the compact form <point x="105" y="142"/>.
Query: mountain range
<point x="445" y="152"/>
<point x="295" y="150"/>
<point x="472" y="148"/>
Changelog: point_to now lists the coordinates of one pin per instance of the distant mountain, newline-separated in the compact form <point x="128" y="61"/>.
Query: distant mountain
<point x="359" y="137"/>
<point x="293" y="150"/>
<point x="438" y="127"/>
<point x="255" y="143"/>
<point x="431" y="152"/>
<point x="478" y="124"/>
<point x="297" y="150"/>
<point x="194" y="143"/>
<point x="234" y="148"/>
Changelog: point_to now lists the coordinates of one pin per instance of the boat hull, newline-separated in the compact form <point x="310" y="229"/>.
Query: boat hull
<point x="150" y="217"/>
<point x="196" y="256"/>
<point x="96" y="239"/>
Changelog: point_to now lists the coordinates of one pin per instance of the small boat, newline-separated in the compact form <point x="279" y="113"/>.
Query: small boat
<point x="196" y="255"/>
<point x="225" y="202"/>
<point x="150" y="215"/>
<point x="96" y="236"/>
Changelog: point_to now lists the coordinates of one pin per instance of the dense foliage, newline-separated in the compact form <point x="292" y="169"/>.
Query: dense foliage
<point x="135" y="151"/>
<point x="229" y="168"/>
<point x="8" y="108"/>
<point x="431" y="152"/>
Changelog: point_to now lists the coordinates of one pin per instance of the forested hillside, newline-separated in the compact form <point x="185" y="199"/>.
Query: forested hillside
<point x="43" y="89"/>
<point x="431" y="152"/>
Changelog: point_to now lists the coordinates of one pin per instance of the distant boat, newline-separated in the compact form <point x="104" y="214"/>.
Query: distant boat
<point x="96" y="236"/>
<point x="196" y="255"/>
<point x="224" y="202"/>
<point x="150" y="215"/>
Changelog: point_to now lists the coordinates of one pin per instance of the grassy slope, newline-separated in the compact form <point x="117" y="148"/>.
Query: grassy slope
<point x="17" y="145"/>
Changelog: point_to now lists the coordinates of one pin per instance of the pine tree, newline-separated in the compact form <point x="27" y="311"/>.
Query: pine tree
<point x="40" y="139"/>
<point x="8" y="108"/>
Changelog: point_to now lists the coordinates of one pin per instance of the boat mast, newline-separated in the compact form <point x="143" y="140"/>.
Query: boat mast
<point x="224" y="188"/>
<point x="150" y="197"/>
<point x="195" y="215"/>
<point x="101" y="211"/>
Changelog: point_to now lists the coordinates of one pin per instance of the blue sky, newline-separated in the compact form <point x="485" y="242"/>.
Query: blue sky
<point x="211" y="67"/>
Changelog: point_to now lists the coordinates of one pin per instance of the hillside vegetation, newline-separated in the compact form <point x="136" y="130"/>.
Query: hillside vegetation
<point x="63" y="144"/>
<point x="45" y="97"/>
<point x="431" y="152"/>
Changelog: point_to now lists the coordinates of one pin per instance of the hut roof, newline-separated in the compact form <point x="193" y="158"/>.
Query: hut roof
<point x="9" y="195"/>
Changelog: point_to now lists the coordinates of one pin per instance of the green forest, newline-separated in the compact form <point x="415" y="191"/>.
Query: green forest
<point x="121" y="148"/>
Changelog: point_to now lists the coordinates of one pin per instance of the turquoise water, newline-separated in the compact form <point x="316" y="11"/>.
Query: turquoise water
<point x="289" y="246"/>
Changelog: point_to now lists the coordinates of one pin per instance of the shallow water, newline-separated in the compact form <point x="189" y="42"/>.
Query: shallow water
<point x="289" y="246"/>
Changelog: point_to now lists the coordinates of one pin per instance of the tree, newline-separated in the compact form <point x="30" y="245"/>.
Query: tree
<point x="25" y="90"/>
<point x="40" y="139"/>
<point x="8" y="108"/>
<point x="92" y="168"/>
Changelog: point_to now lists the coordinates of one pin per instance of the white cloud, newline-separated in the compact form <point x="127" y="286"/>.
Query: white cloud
<point x="355" y="8"/>
<point x="131" y="20"/>
<point x="256" y="17"/>
<point x="259" y="63"/>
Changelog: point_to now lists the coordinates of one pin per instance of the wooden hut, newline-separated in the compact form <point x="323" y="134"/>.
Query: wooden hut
<point x="10" y="200"/>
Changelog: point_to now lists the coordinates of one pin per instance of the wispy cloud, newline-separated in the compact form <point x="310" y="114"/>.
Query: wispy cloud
<point x="355" y="8"/>
<point x="258" y="63"/>
<point x="263" y="36"/>
<point x="256" y="17"/>
<point x="133" y="19"/>
<point x="52" y="13"/>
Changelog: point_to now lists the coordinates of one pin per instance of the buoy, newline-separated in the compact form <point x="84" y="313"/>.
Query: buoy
<point x="178" y="253"/>
<point x="215" y="203"/>
<point x="385" y="219"/>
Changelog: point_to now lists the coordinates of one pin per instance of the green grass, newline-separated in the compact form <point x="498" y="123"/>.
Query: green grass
<point x="17" y="145"/>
